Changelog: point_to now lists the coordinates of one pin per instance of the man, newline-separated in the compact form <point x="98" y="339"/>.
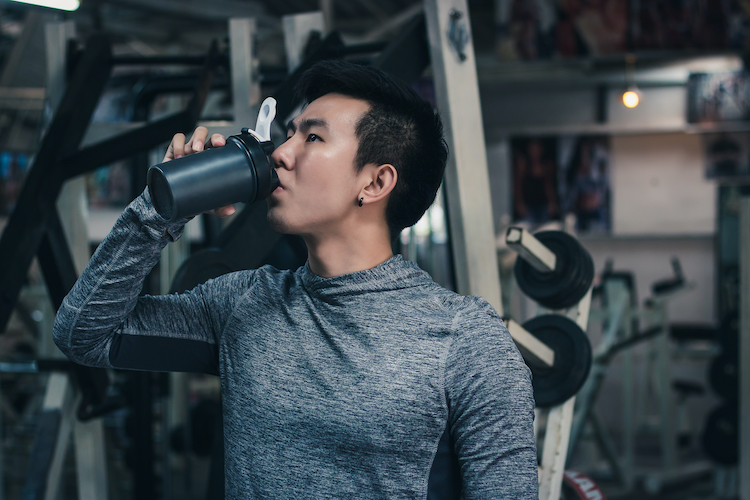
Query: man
<point x="340" y="378"/>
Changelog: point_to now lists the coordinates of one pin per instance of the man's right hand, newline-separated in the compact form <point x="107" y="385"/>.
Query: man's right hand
<point x="197" y="143"/>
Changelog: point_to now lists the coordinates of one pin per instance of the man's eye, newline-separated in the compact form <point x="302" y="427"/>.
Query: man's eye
<point x="313" y="138"/>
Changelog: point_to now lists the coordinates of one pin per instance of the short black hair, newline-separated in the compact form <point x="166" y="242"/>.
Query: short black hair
<point x="401" y="128"/>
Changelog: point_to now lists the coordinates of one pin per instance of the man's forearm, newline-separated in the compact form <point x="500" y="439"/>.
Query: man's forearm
<point x="107" y="291"/>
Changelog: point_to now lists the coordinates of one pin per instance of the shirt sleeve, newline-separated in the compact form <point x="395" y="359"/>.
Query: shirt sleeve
<point x="103" y="321"/>
<point x="491" y="410"/>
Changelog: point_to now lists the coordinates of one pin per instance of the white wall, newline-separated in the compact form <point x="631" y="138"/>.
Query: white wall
<point x="658" y="186"/>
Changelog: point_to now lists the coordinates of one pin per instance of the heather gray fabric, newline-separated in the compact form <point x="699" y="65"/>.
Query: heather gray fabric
<point x="332" y="388"/>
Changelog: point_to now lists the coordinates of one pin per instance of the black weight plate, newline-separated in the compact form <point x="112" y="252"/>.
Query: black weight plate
<point x="542" y="286"/>
<point x="721" y="434"/>
<point x="556" y="384"/>
<point x="724" y="375"/>
<point x="562" y="287"/>
<point x="582" y="277"/>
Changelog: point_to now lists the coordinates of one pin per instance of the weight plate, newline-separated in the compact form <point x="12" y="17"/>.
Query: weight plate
<point x="723" y="375"/>
<point x="583" y="276"/>
<point x="721" y="434"/>
<point x="556" y="384"/>
<point x="568" y="283"/>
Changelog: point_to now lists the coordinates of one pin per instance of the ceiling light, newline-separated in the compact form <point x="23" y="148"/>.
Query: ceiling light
<point x="631" y="98"/>
<point x="68" y="5"/>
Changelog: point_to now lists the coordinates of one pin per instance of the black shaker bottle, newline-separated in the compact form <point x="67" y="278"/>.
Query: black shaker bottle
<point x="240" y="171"/>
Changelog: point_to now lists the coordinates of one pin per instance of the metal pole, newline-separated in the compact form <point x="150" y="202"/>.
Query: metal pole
<point x="73" y="208"/>
<point x="744" y="364"/>
<point x="467" y="182"/>
<point x="297" y="31"/>
<point x="245" y="87"/>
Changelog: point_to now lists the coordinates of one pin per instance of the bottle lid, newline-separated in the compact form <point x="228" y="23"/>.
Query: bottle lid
<point x="266" y="116"/>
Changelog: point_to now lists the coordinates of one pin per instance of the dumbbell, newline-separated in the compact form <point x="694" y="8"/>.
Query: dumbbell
<point x="553" y="269"/>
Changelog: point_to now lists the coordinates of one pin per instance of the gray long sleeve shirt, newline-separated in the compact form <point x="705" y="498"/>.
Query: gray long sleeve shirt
<point x="331" y="388"/>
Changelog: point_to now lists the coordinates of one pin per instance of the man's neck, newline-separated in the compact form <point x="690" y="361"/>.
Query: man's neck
<point x="349" y="252"/>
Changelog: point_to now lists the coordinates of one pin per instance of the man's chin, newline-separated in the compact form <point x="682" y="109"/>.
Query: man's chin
<point x="276" y="223"/>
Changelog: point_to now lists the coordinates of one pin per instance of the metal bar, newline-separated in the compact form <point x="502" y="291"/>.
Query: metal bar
<point x="668" y="434"/>
<point x="395" y="22"/>
<point x="51" y="443"/>
<point x="533" y="350"/>
<point x="60" y="275"/>
<point x="91" y="463"/>
<point x="56" y="261"/>
<point x="144" y="476"/>
<point x="42" y="453"/>
<point x="607" y="445"/>
<point x="32" y="93"/>
<point x="531" y="249"/>
<point x="25" y="228"/>
<point x="148" y="136"/>
<point x="164" y="60"/>
<point x="744" y="348"/>
<point x="326" y="8"/>
<point x="245" y="88"/>
<point x="126" y="144"/>
<point x="559" y="423"/>
<point x="297" y="30"/>
<point x="555" y="449"/>
<point x="466" y="178"/>
<point x="203" y="85"/>
<point x="285" y="95"/>
<point x="408" y="55"/>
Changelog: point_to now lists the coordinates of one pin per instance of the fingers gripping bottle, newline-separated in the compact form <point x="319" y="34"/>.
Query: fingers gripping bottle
<point x="240" y="171"/>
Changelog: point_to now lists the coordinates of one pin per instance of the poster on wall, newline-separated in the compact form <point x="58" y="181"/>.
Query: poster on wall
<point x="564" y="29"/>
<point x="109" y="186"/>
<point x="559" y="177"/>
<point x="728" y="156"/>
<point x="718" y="97"/>
<point x="535" y="196"/>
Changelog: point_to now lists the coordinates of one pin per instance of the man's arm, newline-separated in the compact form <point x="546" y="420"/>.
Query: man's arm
<point x="491" y="404"/>
<point x="104" y="322"/>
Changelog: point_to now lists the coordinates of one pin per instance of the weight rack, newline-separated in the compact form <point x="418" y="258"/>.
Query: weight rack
<point x="559" y="417"/>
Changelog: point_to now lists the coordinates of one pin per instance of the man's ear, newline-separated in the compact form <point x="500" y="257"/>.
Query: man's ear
<point x="382" y="181"/>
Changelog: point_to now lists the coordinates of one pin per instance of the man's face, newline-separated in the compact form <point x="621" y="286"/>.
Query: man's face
<point x="319" y="182"/>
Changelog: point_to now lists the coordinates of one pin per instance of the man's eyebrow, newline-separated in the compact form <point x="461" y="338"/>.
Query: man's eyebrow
<point x="306" y="124"/>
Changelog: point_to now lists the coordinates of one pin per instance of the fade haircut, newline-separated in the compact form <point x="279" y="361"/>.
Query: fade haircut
<point x="400" y="128"/>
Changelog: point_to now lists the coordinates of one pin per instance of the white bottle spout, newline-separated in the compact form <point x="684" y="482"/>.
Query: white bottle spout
<point x="266" y="116"/>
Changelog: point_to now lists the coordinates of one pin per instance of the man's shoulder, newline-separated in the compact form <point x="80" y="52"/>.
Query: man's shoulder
<point x="466" y="306"/>
<point x="269" y="275"/>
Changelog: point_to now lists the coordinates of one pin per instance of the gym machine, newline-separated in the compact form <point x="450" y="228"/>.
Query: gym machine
<point x="621" y="317"/>
<point x="35" y="229"/>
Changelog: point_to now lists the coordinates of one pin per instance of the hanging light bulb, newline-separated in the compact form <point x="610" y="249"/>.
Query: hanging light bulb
<point x="631" y="97"/>
<point x="68" y="5"/>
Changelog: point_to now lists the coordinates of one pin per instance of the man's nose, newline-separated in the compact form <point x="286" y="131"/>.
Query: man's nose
<point x="282" y="156"/>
